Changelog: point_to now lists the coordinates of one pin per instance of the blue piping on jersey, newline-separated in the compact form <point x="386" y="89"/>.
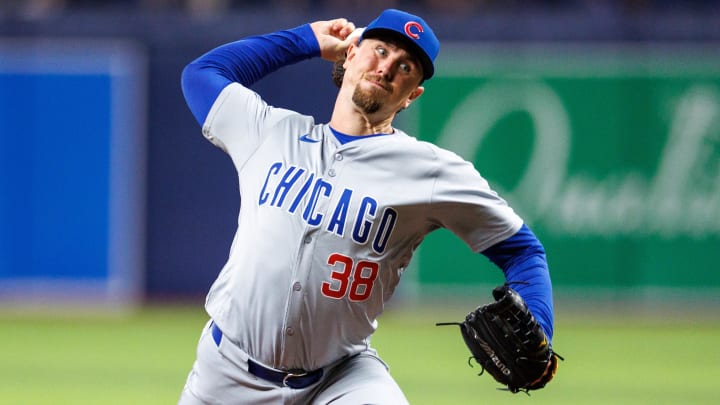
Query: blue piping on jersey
<point x="345" y="138"/>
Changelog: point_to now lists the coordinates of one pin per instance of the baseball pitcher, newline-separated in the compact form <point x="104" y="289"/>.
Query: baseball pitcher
<point x="331" y="214"/>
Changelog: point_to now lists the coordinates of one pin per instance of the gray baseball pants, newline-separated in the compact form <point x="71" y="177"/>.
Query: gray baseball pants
<point x="220" y="376"/>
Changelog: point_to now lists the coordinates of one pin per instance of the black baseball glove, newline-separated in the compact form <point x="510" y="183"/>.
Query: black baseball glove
<point x="507" y="342"/>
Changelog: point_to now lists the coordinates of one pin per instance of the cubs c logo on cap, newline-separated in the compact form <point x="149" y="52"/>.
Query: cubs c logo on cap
<point x="413" y="29"/>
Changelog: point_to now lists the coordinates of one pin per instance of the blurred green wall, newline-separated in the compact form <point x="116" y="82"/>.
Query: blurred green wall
<point x="610" y="153"/>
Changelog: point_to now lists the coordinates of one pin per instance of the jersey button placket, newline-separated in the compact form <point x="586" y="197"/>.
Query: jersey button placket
<point x="331" y="171"/>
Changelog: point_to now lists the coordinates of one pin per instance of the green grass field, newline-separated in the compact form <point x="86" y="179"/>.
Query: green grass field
<point x="144" y="358"/>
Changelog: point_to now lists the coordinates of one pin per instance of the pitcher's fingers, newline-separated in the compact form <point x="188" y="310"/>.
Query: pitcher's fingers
<point x="346" y="30"/>
<point x="341" y="28"/>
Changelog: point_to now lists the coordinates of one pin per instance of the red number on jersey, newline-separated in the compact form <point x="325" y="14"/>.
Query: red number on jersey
<point x="342" y="276"/>
<point x="357" y="280"/>
<point x="363" y="279"/>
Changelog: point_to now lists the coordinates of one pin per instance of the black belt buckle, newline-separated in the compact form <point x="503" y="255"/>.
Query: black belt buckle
<point x="295" y="380"/>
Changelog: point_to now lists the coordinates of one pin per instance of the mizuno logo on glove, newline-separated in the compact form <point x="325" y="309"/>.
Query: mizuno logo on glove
<point x="495" y="359"/>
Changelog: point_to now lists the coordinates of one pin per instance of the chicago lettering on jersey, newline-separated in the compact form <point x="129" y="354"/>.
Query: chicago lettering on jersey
<point x="298" y="191"/>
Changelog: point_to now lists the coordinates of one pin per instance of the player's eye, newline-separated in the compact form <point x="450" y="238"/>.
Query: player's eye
<point x="405" y="67"/>
<point x="381" y="51"/>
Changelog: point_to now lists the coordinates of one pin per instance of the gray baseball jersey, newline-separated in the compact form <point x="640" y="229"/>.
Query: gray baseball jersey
<point x="326" y="230"/>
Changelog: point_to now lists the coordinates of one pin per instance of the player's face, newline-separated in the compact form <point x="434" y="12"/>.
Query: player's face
<point x="386" y="77"/>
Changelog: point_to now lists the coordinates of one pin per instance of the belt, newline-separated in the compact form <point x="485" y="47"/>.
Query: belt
<point x="296" y="380"/>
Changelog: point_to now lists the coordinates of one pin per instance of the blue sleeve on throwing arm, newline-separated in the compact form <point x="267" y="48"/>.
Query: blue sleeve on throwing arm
<point x="522" y="258"/>
<point x="245" y="62"/>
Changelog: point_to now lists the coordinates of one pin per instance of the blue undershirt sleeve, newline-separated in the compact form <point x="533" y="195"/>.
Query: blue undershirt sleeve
<point x="522" y="258"/>
<point x="245" y="61"/>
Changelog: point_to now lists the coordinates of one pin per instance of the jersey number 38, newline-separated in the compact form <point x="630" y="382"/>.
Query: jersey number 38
<point x="355" y="280"/>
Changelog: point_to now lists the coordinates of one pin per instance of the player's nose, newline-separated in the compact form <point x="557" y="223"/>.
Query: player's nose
<point x="387" y="68"/>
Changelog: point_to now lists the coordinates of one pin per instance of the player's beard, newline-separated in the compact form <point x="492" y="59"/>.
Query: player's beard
<point x="368" y="100"/>
<point x="365" y="101"/>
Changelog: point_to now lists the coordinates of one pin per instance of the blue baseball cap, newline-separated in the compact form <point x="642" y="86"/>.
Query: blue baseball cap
<point x="411" y="30"/>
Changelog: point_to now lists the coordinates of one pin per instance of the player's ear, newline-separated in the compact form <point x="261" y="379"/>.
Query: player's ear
<point x="414" y="95"/>
<point x="350" y="53"/>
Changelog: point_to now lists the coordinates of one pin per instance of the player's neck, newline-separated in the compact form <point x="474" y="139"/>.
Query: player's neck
<point x="351" y="121"/>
